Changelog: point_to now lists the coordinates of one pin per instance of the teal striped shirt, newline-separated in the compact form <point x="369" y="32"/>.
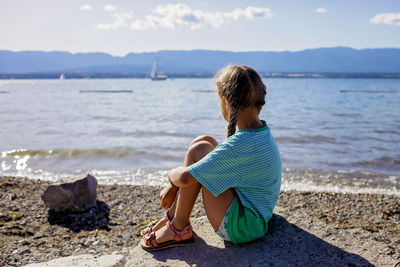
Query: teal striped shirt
<point x="248" y="162"/>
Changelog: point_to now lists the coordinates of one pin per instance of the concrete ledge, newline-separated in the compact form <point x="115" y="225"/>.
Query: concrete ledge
<point x="286" y="244"/>
<point x="293" y="239"/>
<point x="114" y="260"/>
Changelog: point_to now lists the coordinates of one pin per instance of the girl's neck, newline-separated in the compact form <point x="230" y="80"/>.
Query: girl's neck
<point x="248" y="119"/>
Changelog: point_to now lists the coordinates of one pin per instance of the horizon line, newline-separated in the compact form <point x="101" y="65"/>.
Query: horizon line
<point x="197" y="49"/>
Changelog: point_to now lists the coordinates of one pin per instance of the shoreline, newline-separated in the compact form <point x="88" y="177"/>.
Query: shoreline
<point x="310" y="179"/>
<point x="31" y="234"/>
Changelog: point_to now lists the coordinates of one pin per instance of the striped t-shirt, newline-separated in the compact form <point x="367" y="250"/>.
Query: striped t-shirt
<point x="248" y="162"/>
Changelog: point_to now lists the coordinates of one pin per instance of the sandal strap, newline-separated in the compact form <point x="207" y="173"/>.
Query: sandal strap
<point x="150" y="240"/>
<point x="178" y="234"/>
<point x="166" y="217"/>
<point x="150" y="226"/>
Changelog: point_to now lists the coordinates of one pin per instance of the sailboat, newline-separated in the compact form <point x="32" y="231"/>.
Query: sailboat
<point x="154" y="75"/>
<point x="62" y="77"/>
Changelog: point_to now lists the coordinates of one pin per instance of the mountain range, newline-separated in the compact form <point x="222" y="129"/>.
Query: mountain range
<point x="319" y="60"/>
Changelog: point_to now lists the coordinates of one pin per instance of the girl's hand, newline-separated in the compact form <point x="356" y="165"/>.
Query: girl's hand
<point x="168" y="195"/>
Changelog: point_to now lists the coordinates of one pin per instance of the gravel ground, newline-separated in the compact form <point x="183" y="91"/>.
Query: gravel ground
<point x="30" y="233"/>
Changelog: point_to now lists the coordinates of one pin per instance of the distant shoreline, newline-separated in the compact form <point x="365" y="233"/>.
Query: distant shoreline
<point x="291" y="75"/>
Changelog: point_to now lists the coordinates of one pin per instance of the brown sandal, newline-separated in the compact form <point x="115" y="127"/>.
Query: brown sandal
<point x="149" y="242"/>
<point x="150" y="226"/>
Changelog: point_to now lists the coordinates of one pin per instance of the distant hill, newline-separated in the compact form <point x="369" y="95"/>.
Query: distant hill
<point x="320" y="60"/>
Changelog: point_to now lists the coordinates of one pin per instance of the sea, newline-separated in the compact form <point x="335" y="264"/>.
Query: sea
<point x="334" y="135"/>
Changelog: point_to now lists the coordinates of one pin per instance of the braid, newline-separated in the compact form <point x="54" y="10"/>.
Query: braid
<point x="232" y="121"/>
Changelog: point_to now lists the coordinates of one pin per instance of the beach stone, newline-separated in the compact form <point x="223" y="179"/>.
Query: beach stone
<point x="126" y="236"/>
<point x="76" y="196"/>
<point x="25" y="251"/>
<point x="85" y="260"/>
<point x="11" y="261"/>
<point x="88" y="243"/>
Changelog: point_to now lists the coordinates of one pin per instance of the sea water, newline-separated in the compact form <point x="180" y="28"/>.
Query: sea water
<point x="333" y="134"/>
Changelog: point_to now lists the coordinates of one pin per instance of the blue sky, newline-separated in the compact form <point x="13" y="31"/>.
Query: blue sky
<point x="122" y="26"/>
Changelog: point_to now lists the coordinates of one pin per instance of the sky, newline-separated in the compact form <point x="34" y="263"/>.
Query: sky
<point x="119" y="27"/>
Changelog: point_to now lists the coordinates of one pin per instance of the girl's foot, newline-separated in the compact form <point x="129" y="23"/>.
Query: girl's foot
<point x="155" y="225"/>
<point x="167" y="236"/>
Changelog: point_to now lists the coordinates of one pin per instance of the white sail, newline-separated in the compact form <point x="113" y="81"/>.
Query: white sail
<point x="154" y="75"/>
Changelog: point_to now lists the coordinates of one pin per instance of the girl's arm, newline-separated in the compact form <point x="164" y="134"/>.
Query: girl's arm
<point x="181" y="177"/>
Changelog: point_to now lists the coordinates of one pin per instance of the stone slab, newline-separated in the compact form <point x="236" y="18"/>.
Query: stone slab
<point x="288" y="243"/>
<point x="85" y="260"/>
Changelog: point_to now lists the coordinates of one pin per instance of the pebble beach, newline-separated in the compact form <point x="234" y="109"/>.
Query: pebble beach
<point x="30" y="233"/>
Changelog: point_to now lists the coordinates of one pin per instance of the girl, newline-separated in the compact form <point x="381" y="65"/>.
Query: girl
<point x="240" y="179"/>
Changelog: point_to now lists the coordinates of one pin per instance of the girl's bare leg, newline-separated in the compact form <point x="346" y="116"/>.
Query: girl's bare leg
<point x="216" y="207"/>
<point x="189" y="159"/>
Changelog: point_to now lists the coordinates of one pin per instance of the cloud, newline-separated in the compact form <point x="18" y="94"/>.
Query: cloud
<point x="110" y="8"/>
<point x="121" y="19"/>
<point x="170" y="16"/>
<point x="86" y="7"/>
<point x="321" y="10"/>
<point x="386" y="18"/>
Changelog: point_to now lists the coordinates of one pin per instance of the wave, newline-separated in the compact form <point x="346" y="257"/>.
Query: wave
<point x="369" y="91"/>
<point x="347" y="115"/>
<point x="162" y="134"/>
<point x="106" y="91"/>
<point x="156" y="152"/>
<point x="344" y="181"/>
<point x="204" y="91"/>
<point x="307" y="139"/>
<point x="69" y="153"/>
<point x="50" y="132"/>
<point x="120" y="133"/>
<point x="384" y="163"/>
<point x="387" y="131"/>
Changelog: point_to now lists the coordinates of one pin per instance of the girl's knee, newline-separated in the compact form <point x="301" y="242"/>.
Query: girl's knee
<point x="206" y="138"/>
<point x="199" y="149"/>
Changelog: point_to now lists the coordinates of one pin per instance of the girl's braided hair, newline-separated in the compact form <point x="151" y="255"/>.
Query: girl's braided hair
<point x="243" y="88"/>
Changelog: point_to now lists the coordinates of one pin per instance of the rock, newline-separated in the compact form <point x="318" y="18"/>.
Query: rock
<point x="12" y="261"/>
<point x="84" y="260"/>
<point x="88" y="243"/>
<point x="77" y="196"/>
<point x="25" y="251"/>
<point x="126" y="236"/>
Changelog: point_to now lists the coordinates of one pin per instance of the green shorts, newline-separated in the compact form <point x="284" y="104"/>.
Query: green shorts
<point x="242" y="224"/>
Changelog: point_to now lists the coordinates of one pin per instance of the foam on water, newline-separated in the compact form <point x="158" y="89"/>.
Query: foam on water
<point x="308" y="186"/>
<point x="292" y="179"/>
